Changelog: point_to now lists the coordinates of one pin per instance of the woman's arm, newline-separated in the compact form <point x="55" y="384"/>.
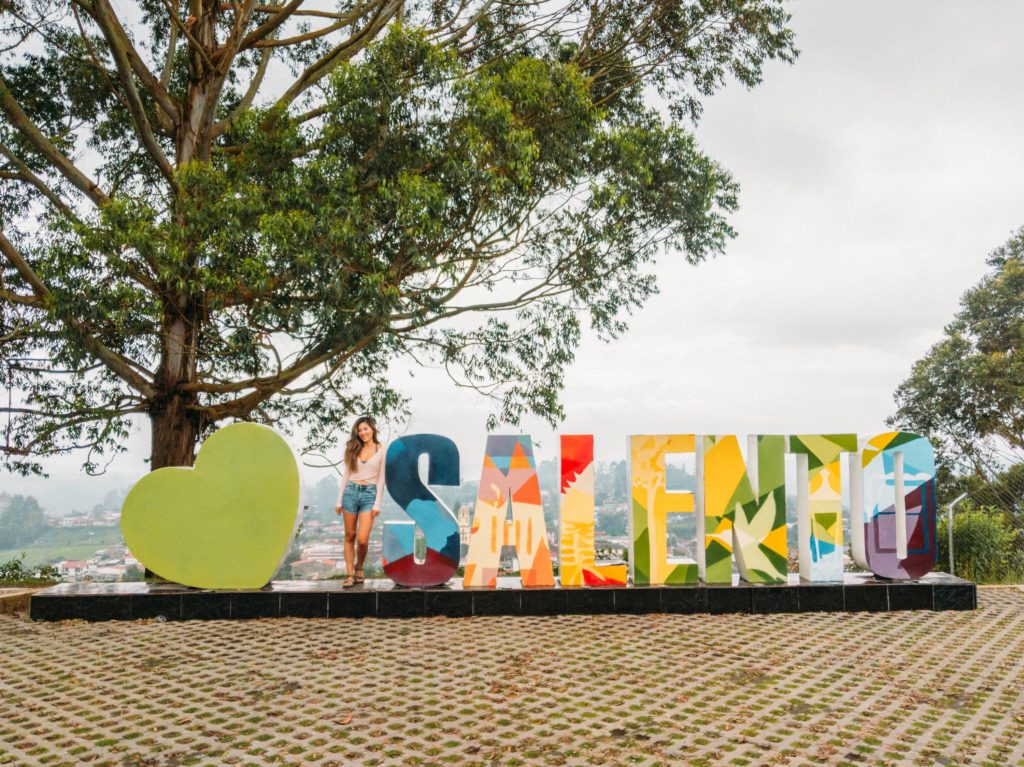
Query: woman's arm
<point x="380" y="480"/>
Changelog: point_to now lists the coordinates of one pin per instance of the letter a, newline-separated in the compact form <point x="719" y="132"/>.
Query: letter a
<point x="509" y="474"/>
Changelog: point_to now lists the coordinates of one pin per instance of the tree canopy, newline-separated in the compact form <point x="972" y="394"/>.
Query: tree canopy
<point x="21" y="520"/>
<point x="967" y="393"/>
<point x="234" y="210"/>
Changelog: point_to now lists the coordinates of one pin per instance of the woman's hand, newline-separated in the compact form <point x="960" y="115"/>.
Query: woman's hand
<point x="337" y="509"/>
<point x="376" y="513"/>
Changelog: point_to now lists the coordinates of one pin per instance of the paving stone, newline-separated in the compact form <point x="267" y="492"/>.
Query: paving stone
<point x="913" y="687"/>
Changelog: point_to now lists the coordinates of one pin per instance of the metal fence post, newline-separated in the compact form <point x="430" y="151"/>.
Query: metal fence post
<point x="949" y="510"/>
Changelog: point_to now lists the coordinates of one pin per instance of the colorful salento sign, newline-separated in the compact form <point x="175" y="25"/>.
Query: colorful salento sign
<point x="228" y="522"/>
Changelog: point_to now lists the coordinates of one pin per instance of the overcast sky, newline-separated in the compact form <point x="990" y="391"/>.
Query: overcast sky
<point x="876" y="175"/>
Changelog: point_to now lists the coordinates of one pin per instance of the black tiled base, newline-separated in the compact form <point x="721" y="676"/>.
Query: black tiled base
<point x="452" y="603"/>
<point x="825" y="598"/>
<point x="166" y="606"/>
<point x="355" y="604"/>
<point x="590" y="601"/>
<point x="955" y="596"/>
<point x="497" y="602"/>
<point x="911" y="596"/>
<point x="94" y="607"/>
<point x="206" y="605"/>
<point x="300" y="604"/>
<point x="256" y="604"/>
<point x="541" y="601"/>
<point x="866" y="597"/>
<point x="775" y="599"/>
<point x="685" y="600"/>
<point x="382" y="599"/>
<point x="729" y="599"/>
<point x="402" y="603"/>
<point x="638" y="600"/>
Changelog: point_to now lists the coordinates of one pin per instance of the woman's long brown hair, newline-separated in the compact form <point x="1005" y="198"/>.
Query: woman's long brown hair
<point x="354" y="444"/>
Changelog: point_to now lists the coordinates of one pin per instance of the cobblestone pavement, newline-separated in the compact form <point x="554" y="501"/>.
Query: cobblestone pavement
<point x="917" y="688"/>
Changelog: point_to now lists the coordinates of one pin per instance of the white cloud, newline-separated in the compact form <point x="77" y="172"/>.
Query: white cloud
<point x="877" y="173"/>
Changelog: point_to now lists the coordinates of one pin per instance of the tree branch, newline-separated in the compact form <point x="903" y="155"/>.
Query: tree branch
<point x="48" y="430"/>
<point x="172" y="48"/>
<point x="271" y="24"/>
<point x="268" y="386"/>
<point x="57" y="159"/>
<point x="17" y="298"/>
<point x="280" y="9"/>
<point x="172" y="14"/>
<point x="313" y="34"/>
<point x="248" y="98"/>
<point x="121" y="48"/>
<point x="386" y="10"/>
<point x="114" y="362"/>
<point x="25" y="174"/>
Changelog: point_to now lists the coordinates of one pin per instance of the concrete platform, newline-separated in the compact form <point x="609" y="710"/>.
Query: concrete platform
<point x="383" y="599"/>
<point x="15" y="600"/>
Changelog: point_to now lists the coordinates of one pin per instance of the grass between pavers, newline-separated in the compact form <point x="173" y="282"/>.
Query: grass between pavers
<point x="914" y="688"/>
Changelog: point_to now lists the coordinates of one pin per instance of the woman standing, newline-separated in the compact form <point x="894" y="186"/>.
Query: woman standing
<point x="360" y="495"/>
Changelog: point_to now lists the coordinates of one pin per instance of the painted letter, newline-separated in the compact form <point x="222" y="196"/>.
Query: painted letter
<point x="899" y="532"/>
<point x="739" y="520"/>
<point x="577" y="565"/>
<point x="819" y="503"/>
<point x="439" y="526"/>
<point x="508" y="474"/>
<point x="651" y="505"/>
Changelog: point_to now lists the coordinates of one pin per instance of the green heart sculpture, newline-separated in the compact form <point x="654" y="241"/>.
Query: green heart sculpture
<point x="227" y="522"/>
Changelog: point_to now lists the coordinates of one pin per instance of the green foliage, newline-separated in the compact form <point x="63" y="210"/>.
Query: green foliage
<point x="13" y="572"/>
<point x="611" y="483"/>
<point x="134" y="575"/>
<point x="965" y="393"/>
<point x="1003" y="490"/>
<point x="322" y="500"/>
<point x="985" y="546"/>
<point x="21" y="520"/>
<point x="611" y="523"/>
<point x="467" y="186"/>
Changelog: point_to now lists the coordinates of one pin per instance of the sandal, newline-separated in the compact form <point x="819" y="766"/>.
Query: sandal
<point x="348" y="583"/>
<point x="358" y="578"/>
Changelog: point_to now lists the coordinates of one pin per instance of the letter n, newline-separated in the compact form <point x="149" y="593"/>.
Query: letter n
<point x="745" y="514"/>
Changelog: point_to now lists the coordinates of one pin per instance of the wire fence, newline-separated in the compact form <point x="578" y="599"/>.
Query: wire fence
<point x="981" y="529"/>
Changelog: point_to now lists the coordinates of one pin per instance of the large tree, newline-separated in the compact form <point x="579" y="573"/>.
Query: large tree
<point x="216" y="210"/>
<point x="967" y="393"/>
<point x="21" y="520"/>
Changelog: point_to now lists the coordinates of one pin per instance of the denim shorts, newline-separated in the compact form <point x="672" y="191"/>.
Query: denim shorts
<point x="358" y="498"/>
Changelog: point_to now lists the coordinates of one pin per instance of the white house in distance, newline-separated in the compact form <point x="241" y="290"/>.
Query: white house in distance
<point x="108" y="565"/>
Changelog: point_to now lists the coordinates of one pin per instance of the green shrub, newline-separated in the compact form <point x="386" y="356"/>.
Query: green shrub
<point x="985" y="545"/>
<point x="14" y="572"/>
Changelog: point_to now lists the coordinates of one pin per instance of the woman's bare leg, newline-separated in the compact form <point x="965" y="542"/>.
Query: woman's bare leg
<point x="363" y="539"/>
<point x="351" y="524"/>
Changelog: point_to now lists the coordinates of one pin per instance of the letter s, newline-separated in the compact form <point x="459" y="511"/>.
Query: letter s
<point x="439" y="526"/>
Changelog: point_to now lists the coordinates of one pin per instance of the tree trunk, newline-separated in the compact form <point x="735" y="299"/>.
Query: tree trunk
<point x="175" y="433"/>
<point x="176" y="426"/>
